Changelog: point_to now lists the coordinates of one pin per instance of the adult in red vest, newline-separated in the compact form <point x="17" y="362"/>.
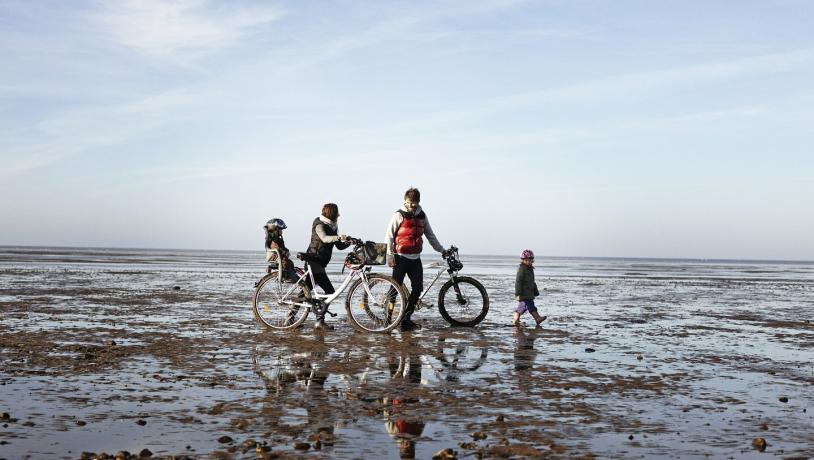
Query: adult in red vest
<point x="404" y="241"/>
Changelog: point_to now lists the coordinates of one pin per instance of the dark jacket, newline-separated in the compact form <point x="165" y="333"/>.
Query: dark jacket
<point x="525" y="288"/>
<point x="321" y="249"/>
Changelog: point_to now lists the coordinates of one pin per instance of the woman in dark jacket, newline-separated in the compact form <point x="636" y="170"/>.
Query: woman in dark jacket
<point x="324" y="236"/>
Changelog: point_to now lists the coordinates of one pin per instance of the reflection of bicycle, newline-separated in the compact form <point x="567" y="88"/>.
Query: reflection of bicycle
<point x="371" y="304"/>
<point x="462" y="301"/>
<point x="460" y="354"/>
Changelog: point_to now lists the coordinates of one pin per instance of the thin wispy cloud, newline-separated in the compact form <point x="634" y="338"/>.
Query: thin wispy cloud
<point x="181" y="28"/>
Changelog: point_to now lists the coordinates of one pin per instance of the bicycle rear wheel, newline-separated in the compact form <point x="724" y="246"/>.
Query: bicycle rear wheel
<point x="377" y="305"/>
<point x="467" y="309"/>
<point x="275" y="303"/>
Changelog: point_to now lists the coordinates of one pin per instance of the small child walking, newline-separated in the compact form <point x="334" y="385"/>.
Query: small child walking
<point x="525" y="289"/>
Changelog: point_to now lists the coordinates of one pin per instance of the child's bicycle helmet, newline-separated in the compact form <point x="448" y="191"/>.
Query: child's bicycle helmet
<point x="276" y="223"/>
<point x="527" y="254"/>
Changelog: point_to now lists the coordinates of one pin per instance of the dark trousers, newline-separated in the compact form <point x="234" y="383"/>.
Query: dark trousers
<point x="321" y="278"/>
<point x="415" y="271"/>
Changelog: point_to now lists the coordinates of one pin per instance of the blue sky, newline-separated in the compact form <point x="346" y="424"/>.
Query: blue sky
<point x="585" y="128"/>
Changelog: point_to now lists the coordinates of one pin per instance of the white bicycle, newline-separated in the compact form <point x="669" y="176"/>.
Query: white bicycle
<point x="374" y="303"/>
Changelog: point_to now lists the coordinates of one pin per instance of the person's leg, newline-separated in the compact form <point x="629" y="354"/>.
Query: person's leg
<point x="400" y="269"/>
<point x="322" y="280"/>
<point x="533" y="310"/>
<point x="518" y="312"/>
<point x="415" y="271"/>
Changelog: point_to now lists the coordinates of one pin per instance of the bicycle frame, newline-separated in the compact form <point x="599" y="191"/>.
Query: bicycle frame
<point x="442" y="267"/>
<point x="326" y="299"/>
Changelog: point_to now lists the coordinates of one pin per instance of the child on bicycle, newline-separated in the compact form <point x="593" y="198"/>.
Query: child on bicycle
<point x="275" y="247"/>
<point x="525" y="289"/>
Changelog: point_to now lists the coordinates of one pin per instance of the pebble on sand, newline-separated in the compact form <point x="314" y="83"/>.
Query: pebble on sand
<point x="478" y="435"/>
<point x="783" y="399"/>
<point x="445" y="454"/>
<point x="145" y="453"/>
<point x="302" y="446"/>
<point x="81" y="423"/>
<point x="759" y="444"/>
<point x="589" y="350"/>
<point x="225" y="440"/>
<point x="141" y="422"/>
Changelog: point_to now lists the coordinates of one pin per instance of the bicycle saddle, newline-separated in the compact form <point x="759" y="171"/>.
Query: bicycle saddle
<point x="306" y="256"/>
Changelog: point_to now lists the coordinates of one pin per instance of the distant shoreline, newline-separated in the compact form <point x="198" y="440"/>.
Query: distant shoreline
<point x="249" y="251"/>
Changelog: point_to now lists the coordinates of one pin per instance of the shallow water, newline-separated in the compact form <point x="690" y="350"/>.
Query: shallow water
<point x="653" y="358"/>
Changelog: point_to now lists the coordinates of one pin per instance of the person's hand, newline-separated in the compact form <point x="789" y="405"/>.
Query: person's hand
<point x="391" y="262"/>
<point x="343" y="238"/>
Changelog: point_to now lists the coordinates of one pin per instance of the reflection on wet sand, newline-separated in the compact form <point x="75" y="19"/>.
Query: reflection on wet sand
<point x="524" y="355"/>
<point x="402" y="424"/>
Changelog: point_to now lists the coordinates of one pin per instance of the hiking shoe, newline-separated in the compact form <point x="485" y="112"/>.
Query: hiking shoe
<point x="409" y="325"/>
<point x="322" y="325"/>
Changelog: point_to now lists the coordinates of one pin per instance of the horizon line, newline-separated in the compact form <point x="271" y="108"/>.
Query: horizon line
<point x="703" y="259"/>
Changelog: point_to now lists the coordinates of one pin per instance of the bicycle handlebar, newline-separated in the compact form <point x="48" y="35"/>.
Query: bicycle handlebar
<point x="354" y="241"/>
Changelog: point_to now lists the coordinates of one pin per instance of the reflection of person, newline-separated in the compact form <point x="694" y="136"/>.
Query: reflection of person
<point x="525" y="289"/>
<point x="404" y="241"/>
<point x="294" y="376"/>
<point x="405" y="428"/>
<point x="324" y="236"/>
<point x="524" y="354"/>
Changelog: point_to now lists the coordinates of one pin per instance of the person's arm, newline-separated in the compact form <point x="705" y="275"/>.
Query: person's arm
<point x="431" y="236"/>
<point x="324" y="237"/>
<point x="390" y="237"/>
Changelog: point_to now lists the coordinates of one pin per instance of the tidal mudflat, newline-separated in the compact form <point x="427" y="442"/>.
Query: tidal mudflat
<point x="157" y="352"/>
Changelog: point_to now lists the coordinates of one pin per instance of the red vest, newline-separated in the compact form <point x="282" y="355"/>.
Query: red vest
<point x="409" y="236"/>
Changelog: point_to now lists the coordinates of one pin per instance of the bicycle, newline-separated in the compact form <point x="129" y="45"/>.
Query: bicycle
<point x="374" y="303"/>
<point x="462" y="300"/>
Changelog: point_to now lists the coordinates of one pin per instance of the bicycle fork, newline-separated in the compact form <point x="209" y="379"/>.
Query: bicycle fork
<point x="458" y="295"/>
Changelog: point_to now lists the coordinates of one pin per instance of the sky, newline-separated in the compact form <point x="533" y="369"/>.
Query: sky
<point x="613" y="128"/>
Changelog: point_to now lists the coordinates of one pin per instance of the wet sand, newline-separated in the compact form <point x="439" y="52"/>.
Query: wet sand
<point x="112" y="352"/>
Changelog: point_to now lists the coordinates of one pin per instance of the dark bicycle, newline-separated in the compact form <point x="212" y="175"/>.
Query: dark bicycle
<point x="462" y="300"/>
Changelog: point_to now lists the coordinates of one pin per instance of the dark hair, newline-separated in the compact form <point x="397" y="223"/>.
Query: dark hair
<point x="330" y="211"/>
<point x="412" y="194"/>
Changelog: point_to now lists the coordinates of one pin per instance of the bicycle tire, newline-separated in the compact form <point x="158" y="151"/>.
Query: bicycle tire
<point x="468" y="313"/>
<point x="269" y="305"/>
<point x="384" y="313"/>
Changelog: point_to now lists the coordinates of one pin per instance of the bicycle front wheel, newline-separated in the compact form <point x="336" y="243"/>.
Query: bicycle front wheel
<point x="276" y="304"/>
<point x="376" y="304"/>
<point x="465" y="306"/>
